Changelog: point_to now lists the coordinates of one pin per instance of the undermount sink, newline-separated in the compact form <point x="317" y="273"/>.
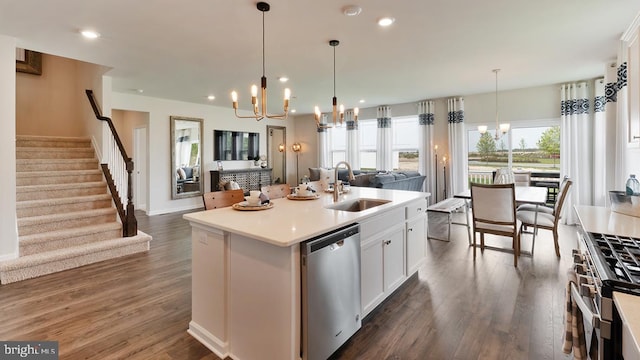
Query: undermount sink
<point x="356" y="205"/>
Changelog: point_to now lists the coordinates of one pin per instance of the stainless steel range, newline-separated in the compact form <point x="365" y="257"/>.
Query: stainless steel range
<point x="605" y="263"/>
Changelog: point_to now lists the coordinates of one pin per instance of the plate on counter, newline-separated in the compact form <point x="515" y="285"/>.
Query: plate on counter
<point x="244" y="206"/>
<point x="300" y="197"/>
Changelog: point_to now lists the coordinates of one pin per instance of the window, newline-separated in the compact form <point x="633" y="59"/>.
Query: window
<point x="529" y="146"/>
<point x="368" y="133"/>
<point x="337" y="144"/>
<point x="405" y="143"/>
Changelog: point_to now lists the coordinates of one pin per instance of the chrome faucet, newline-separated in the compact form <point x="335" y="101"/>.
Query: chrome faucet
<point x="337" y="186"/>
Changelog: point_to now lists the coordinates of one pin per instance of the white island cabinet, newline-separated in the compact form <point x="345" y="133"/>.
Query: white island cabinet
<point x="246" y="301"/>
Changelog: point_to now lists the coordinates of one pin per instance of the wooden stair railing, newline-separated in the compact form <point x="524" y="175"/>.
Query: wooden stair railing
<point x="117" y="171"/>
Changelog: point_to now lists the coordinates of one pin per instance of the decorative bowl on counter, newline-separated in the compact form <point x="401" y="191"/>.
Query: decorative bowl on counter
<point x="625" y="204"/>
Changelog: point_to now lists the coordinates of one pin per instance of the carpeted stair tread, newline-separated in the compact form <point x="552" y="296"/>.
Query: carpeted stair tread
<point x="50" y="187"/>
<point x="27" y="165"/>
<point x="62" y="254"/>
<point x="30" y="178"/>
<point x="35" y="140"/>
<point x="61" y="201"/>
<point x="45" y="219"/>
<point x="66" y="233"/>
<point x="26" y="174"/>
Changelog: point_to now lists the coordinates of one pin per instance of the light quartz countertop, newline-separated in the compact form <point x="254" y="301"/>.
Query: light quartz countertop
<point x="290" y="222"/>
<point x="628" y="306"/>
<point x="598" y="219"/>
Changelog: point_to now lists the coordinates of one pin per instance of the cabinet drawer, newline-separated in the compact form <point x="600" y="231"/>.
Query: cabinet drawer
<point x="416" y="208"/>
<point x="381" y="223"/>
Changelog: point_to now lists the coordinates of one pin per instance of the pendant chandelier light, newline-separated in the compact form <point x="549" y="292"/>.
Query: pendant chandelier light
<point x="260" y="109"/>
<point x="337" y="112"/>
<point x="501" y="129"/>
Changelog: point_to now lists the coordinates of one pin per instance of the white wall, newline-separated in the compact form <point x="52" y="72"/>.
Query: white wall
<point x="8" y="225"/>
<point x="215" y="117"/>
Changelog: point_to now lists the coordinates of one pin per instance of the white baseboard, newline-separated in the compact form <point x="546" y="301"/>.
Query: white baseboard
<point x="220" y="348"/>
<point x="6" y="257"/>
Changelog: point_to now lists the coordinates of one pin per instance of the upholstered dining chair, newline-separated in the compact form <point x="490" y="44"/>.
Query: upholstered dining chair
<point x="276" y="191"/>
<point x="545" y="209"/>
<point x="493" y="208"/>
<point x="220" y="199"/>
<point x="522" y="178"/>
<point x="544" y="219"/>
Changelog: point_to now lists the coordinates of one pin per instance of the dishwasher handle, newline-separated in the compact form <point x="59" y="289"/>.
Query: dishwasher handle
<point x="334" y="239"/>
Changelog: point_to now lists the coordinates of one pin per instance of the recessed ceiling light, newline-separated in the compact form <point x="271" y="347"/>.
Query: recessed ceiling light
<point x="293" y="110"/>
<point x="138" y="90"/>
<point x="211" y="97"/>
<point x="352" y="10"/>
<point x="361" y="101"/>
<point x="90" y="34"/>
<point x="386" y="21"/>
<point x="283" y="79"/>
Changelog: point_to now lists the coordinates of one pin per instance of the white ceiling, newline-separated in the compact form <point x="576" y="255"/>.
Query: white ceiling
<point x="188" y="49"/>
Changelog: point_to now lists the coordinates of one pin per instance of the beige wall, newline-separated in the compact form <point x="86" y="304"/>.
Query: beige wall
<point x="54" y="103"/>
<point x="125" y="122"/>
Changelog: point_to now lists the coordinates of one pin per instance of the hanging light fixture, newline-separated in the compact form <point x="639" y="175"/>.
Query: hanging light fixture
<point x="501" y="129"/>
<point x="337" y="112"/>
<point x="260" y="110"/>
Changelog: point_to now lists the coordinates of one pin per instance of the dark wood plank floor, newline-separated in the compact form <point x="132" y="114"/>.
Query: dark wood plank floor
<point x="139" y="307"/>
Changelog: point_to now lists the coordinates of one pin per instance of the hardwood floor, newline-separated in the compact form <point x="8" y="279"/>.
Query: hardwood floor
<point x="139" y="307"/>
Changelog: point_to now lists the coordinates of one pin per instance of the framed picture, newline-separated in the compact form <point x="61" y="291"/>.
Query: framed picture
<point x="220" y="165"/>
<point x="28" y="61"/>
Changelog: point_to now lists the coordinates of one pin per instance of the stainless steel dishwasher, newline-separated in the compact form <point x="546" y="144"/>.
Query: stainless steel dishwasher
<point x="330" y="279"/>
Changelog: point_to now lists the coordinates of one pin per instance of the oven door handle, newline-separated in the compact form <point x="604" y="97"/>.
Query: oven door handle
<point x="587" y="314"/>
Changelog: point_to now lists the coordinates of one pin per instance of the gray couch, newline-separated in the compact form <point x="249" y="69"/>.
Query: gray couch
<point x="397" y="180"/>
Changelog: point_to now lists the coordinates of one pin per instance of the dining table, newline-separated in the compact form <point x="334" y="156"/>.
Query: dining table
<point x="534" y="195"/>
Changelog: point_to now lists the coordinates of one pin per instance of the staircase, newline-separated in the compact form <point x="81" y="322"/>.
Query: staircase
<point x="65" y="214"/>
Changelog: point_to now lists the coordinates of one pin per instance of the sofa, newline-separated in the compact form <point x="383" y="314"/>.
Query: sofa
<point x="397" y="180"/>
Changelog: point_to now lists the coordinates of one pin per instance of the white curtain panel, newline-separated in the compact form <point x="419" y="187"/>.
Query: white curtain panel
<point x="599" y="146"/>
<point x="353" y="142"/>
<point x="323" y="145"/>
<point x="614" y="179"/>
<point x="622" y="131"/>
<point x="457" y="172"/>
<point x="384" y="158"/>
<point x="184" y="140"/>
<point x="576" y="146"/>
<point x="426" y="152"/>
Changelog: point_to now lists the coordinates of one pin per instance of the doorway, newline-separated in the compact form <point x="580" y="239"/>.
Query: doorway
<point x="140" y="168"/>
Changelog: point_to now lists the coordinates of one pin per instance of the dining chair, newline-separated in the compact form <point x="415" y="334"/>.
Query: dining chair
<point x="522" y="178"/>
<point x="544" y="209"/>
<point x="220" y="199"/>
<point x="545" y="220"/>
<point x="493" y="208"/>
<point x="276" y="191"/>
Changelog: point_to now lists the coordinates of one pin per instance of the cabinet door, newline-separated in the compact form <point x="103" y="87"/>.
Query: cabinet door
<point x="372" y="285"/>
<point x="416" y="244"/>
<point x="393" y="259"/>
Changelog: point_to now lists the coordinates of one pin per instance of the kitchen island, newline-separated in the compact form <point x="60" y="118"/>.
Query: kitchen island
<point x="246" y="296"/>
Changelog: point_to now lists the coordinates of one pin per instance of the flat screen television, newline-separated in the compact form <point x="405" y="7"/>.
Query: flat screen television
<point x="235" y="145"/>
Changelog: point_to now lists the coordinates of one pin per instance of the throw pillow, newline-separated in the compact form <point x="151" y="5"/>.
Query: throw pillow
<point x="182" y="174"/>
<point x="314" y="174"/>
